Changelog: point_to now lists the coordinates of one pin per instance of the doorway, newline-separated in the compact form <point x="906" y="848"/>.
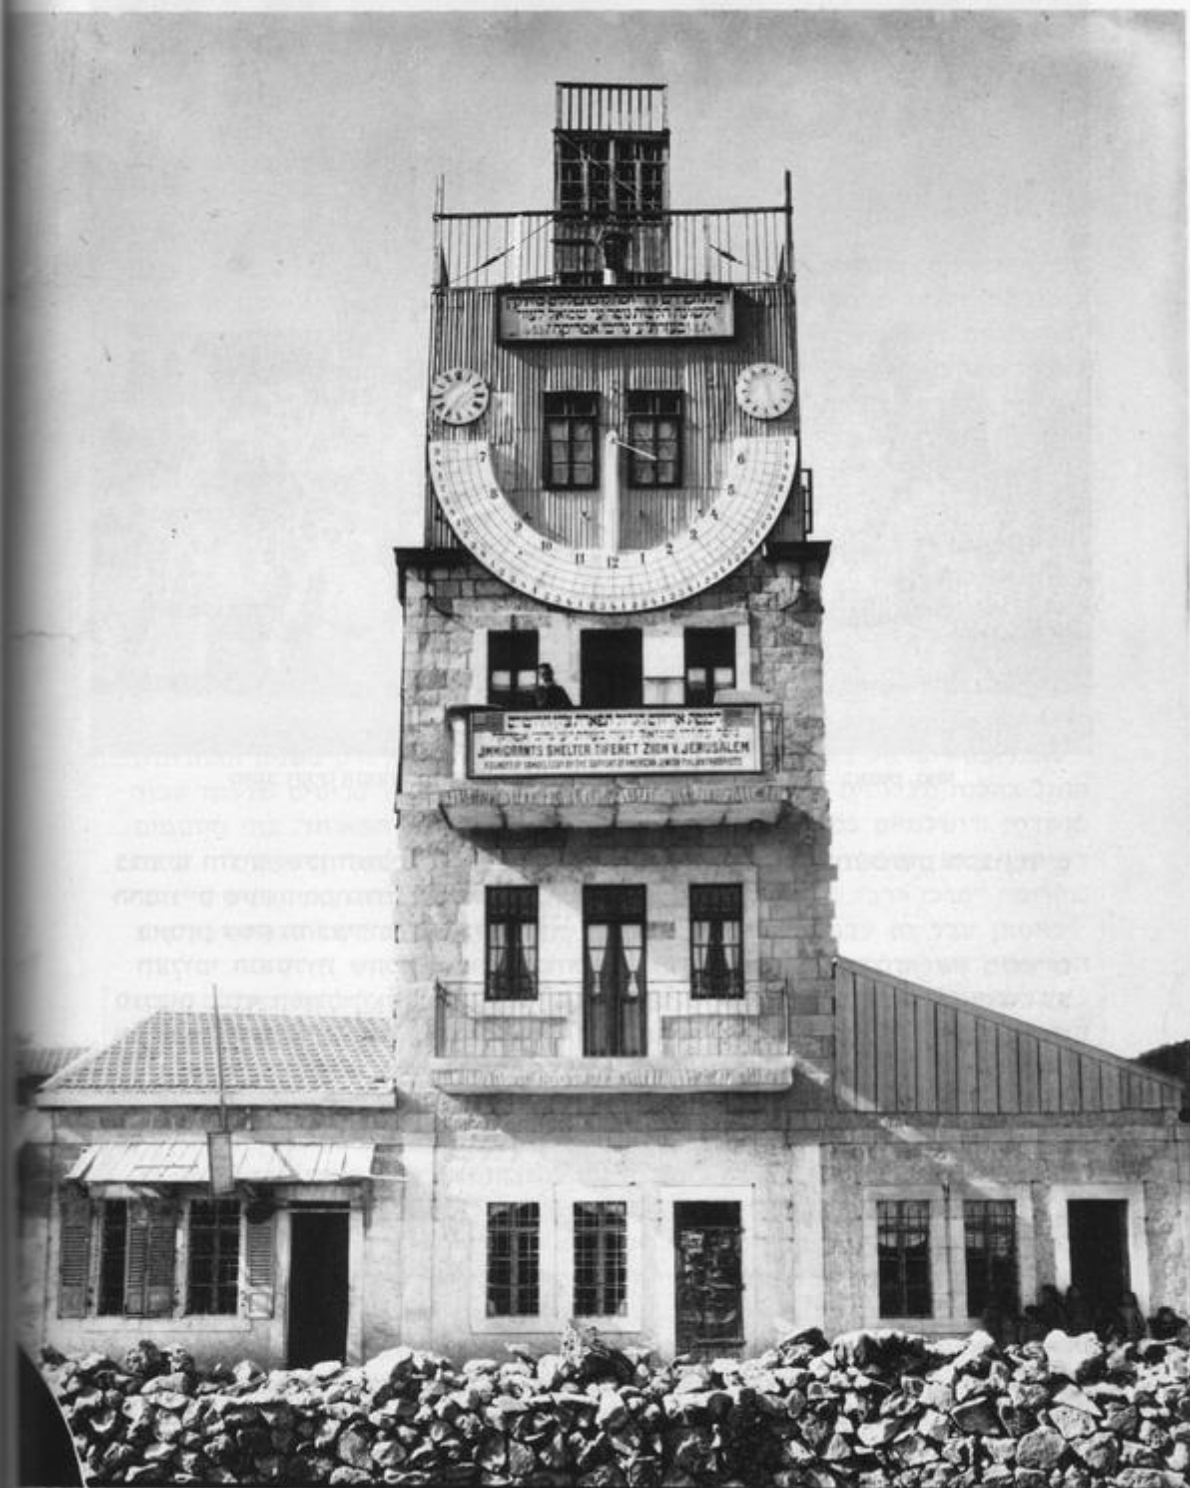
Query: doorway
<point x="317" y="1284"/>
<point x="1098" y="1230"/>
<point x="708" y="1278"/>
<point x="615" y="1012"/>
<point x="612" y="668"/>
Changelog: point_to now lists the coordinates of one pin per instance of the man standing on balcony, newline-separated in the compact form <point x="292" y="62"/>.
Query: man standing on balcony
<point x="548" y="693"/>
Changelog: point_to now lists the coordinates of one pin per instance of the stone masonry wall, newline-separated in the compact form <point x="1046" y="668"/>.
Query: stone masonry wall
<point x="442" y="872"/>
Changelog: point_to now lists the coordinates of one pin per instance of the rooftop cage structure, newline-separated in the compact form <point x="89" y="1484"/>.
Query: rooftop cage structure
<point x="611" y="221"/>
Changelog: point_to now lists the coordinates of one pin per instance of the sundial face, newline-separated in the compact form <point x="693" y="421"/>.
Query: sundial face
<point x="758" y="475"/>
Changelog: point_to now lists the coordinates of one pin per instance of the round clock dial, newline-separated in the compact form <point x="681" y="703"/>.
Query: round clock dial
<point x="723" y="533"/>
<point x="458" y="396"/>
<point x="764" y="390"/>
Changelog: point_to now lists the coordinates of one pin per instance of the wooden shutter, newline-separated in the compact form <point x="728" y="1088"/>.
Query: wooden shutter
<point x="151" y="1262"/>
<point x="161" y="1281"/>
<point x="74" y="1255"/>
<point x="259" y="1284"/>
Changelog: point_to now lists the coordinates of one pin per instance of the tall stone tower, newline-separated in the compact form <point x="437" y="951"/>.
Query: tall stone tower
<point x="614" y="926"/>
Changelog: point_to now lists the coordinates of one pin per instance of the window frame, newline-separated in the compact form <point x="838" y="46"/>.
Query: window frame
<point x="516" y="1231"/>
<point x="973" y="1259"/>
<point x="529" y="915"/>
<point x="633" y="167"/>
<point x="520" y="646"/>
<point x="644" y="416"/>
<point x="930" y="1311"/>
<point x="608" y="1257"/>
<point x="712" y="638"/>
<point x="221" y="1211"/>
<point x="735" y="988"/>
<point x="579" y="412"/>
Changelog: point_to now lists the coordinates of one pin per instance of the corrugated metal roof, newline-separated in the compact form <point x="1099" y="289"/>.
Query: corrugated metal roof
<point x="900" y="1047"/>
<point x="252" y="1162"/>
<point x="176" y="1052"/>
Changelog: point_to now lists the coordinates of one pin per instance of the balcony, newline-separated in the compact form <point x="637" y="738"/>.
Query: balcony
<point x="567" y="1040"/>
<point x="724" y="245"/>
<point x="615" y="767"/>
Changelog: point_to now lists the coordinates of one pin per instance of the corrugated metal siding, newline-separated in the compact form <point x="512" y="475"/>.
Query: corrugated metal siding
<point x="252" y="1162"/>
<point x="464" y="335"/>
<point x="902" y="1048"/>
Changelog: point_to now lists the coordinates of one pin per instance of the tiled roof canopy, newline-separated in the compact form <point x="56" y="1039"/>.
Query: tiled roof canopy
<point x="175" y="1053"/>
<point x="40" y="1060"/>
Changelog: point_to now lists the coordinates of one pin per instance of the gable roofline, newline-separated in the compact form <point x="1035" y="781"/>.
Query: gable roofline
<point x="1016" y="1025"/>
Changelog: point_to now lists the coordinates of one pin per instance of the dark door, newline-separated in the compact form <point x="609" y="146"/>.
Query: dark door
<point x="1098" y="1230"/>
<point x="708" y="1278"/>
<point x="317" y="1285"/>
<point x="611" y="668"/>
<point x="614" y="984"/>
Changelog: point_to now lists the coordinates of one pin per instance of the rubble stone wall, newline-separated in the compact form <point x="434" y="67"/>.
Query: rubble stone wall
<point x="872" y="1409"/>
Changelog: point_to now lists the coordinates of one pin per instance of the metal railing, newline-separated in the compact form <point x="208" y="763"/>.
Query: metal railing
<point x="729" y="245"/>
<point x="560" y="1021"/>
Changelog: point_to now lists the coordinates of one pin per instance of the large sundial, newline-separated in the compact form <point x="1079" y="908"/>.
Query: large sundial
<point x="757" y="475"/>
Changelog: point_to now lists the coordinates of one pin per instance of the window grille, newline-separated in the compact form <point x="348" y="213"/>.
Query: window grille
<point x="213" y="1257"/>
<point x="514" y="1260"/>
<point x="511" y="961"/>
<point x="601" y="175"/>
<point x="654" y="438"/>
<point x="990" y="1249"/>
<point x="600" y="1258"/>
<point x="716" y="940"/>
<point x="903" y="1251"/>
<point x="512" y="668"/>
<point x="570" y="457"/>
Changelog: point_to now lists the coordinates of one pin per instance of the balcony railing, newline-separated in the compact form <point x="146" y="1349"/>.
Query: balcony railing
<point x="564" y="1020"/>
<point x="734" y="245"/>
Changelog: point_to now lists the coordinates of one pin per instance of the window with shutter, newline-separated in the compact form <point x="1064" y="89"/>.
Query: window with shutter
<point x="74" y="1255"/>
<point x="260" y="1287"/>
<point x="150" y="1260"/>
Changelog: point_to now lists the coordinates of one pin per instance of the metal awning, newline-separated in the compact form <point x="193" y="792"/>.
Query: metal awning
<point x="252" y="1162"/>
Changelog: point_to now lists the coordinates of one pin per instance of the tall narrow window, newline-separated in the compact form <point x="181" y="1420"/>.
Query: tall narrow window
<point x="213" y="1256"/>
<point x="989" y="1246"/>
<point x="113" y="1252"/>
<point x="137" y="1256"/>
<point x="570" y="460"/>
<point x="512" y="668"/>
<point x="716" y="940"/>
<point x="511" y="962"/>
<point x="514" y="1260"/>
<point x="654" y="438"/>
<point x="710" y="663"/>
<point x="903" y="1255"/>
<point x="600" y="1258"/>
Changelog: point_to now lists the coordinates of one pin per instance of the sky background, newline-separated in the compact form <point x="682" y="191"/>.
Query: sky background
<point x="219" y="270"/>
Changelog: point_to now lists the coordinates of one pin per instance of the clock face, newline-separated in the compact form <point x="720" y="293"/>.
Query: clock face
<point x="733" y="522"/>
<point x="458" y="396"/>
<point x="764" y="390"/>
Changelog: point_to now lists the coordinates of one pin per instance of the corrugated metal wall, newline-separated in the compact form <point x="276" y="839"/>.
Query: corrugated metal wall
<point x="464" y="335"/>
<point x="901" y="1048"/>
